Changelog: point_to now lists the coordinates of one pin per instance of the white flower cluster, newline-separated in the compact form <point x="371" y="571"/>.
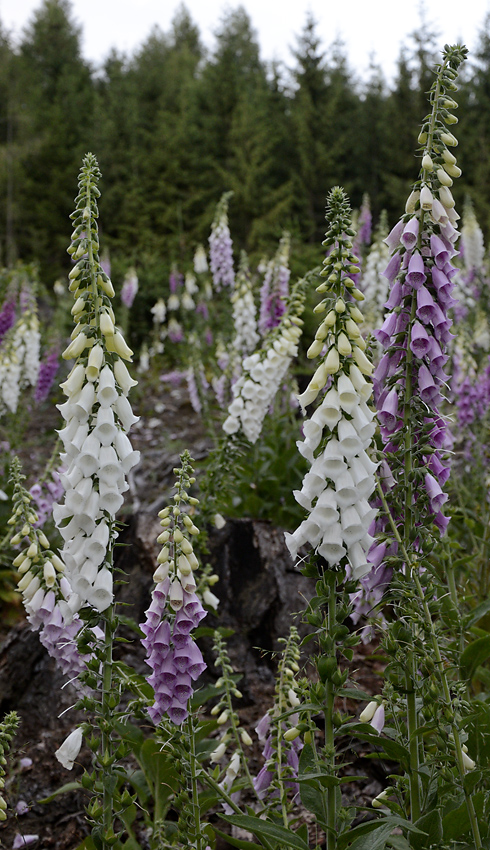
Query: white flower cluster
<point x="374" y="285"/>
<point x="263" y="372"/>
<point x="19" y="359"/>
<point x="98" y="455"/>
<point x="336" y="489"/>
<point x="244" y="314"/>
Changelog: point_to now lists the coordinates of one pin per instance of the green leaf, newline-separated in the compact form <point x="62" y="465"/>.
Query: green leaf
<point x="65" y="789"/>
<point x="269" y="830"/>
<point x="431" y="824"/>
<point x="355" y="693"/>
<point x="311" y="797"/>
<point x="376" y="840"/>
<point x="474" y="654"/>
<point x="457" y="821"/>
<point x="477" y="614"/>
<point x="398" y="842"/>
<point x="238" y="842"/>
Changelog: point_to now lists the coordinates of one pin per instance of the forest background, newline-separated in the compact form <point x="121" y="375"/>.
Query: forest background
<point x="174" y="126"/>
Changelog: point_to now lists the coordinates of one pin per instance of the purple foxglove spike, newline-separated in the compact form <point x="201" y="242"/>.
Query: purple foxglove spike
<point x="387" y="415"/>
<point x="396" y="296"/>
<point x="393" y="238"/>
<point x="384" y="334"/>
<point x="416" y="274"/>
<point x="420" y="342"/>
<point x="393" y="267"/>
<point x="425" y="306"/>
<point x="439" y="251"/>
<point x="410" y="233"/>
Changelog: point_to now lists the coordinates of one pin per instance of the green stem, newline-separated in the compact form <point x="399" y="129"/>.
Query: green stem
<point x="329" y="727"/>
<point x="194" y="789"/>
<point x="441" y="672"/>
<point x="106" y="741"/>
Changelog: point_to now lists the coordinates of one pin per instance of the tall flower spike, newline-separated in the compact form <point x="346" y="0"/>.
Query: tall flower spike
<point x="175" y="610"/>
<point x="98" y="454"/>
<point x="341" y="477"/>
<point x="410" y="378"/>
<point x="221" y="246"/>
<point x="264" y="370"/>
<point x="246" y="336"/>
<point x="275" y="288"/>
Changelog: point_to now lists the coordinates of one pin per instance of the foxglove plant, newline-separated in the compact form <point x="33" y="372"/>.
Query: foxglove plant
<point x="410" y="383"/>
<point x="221" y="247"/>
<point x="336" y="489"/>
<point x="244" y="311"/>
<point x="275" y="288"/>
<point x="264" y="371"/>
<point x="47" y="373"/>
<point x="373" y="283"/>
<point x="98" y="453"/>
<point x="175" y="659"/>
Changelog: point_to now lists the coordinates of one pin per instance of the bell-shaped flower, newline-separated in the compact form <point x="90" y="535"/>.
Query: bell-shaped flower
<point x="360" y="565"/>
<point x="426" y="308"/>
<point x="107" y="393"/>
<point x="70" y="748"/>
<point x="101" y="594"/>
<point x="95" y="360"/>
<point x="125" y="413"/>
<point x="348" y="395"/>
<point x="329" y="412"/>
<point x="332" y="548"/>
<point x="349" y="441"/>
<point x="82" y="407"/>
<point x="345" y="490"/>
<point x="122" y="376"/>
<point x="393" y="267"/>
<point x="124" y="449"/>
<point x="388" y="414"/>
<point x="353" y="529"/>
<point x="385" y="332"/>
<point x="410" y="233"/>
<point x="105" y="428"/>
<point x="75" y="381"/>
<point x="420" y="342"/>
<point x="110" y="469"/>
<point x="416" y="274"/>
<point x="88" y="458"/>
<point x="363" y="387"/>
<point x="436" y="495"/>
<point x="83" y="580"/>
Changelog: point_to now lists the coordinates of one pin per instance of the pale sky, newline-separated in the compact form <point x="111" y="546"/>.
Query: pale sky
<point x="366" y="26"/>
